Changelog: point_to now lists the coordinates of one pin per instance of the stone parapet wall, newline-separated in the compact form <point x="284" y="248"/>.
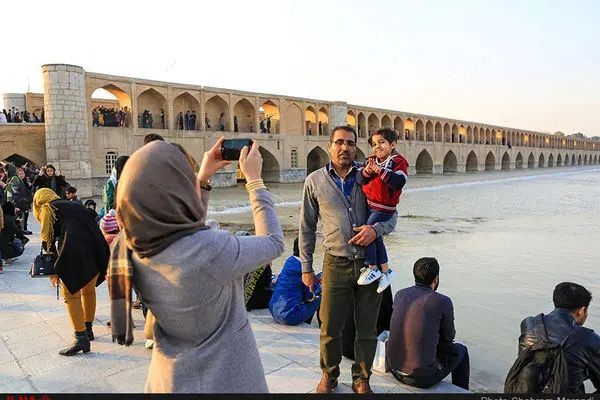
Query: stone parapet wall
<point x="27" y="140"/>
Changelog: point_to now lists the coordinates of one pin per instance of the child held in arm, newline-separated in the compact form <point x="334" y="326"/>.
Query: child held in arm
<point x="382" y="179"/>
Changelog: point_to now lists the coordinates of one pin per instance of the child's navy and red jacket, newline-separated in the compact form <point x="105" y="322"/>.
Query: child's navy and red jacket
<point x="383" y="190"/>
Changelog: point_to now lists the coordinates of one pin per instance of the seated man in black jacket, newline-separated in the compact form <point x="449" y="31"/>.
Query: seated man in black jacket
<point x="9" y="247"/>
<point x="421" y="350"/>
<point x="571" y="302"/>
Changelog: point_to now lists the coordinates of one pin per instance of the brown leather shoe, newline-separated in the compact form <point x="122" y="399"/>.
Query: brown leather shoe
<point x="327" y="384"/>
<point x="361" y="386"/>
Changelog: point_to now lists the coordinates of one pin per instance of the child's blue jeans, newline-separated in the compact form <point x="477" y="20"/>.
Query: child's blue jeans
<point x="375" y="253"/>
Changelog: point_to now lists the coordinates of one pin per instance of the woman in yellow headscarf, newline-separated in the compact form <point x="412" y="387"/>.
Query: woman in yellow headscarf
<point x="82" y="259"/>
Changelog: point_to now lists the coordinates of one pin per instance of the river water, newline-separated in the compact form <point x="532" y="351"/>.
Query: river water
<point x="503" y="239"/>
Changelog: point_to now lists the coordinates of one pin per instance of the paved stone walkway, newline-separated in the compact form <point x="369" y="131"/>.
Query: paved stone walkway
<point x="34" y="325"/>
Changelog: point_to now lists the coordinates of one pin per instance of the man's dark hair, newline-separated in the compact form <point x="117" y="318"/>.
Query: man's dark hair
<point x="71" y="189"/>
<point x="571" y="296"/>
<point x="151" y="137"/>
<point x="388" y="134"/>
<point x="425" y="270"/>
<point x="346" y="128"/>
<point x="296" y="248"/>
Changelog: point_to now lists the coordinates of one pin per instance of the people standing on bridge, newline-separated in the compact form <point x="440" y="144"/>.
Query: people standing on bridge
<point x="206" y="121"/>
<point x="330" y="193"/>
<point x="187" y="120"/>
<point x="163" y="118"/>
<point x="193" y="118"/>
<point x="179" y="121"/>
<point x="269" y="124"/>
<point x="190" y="276"/>
<point x="382" y="180"/>
<point x="3" y="119"/>
<point x="222" y="122"/>
<point x="81" y="263"/>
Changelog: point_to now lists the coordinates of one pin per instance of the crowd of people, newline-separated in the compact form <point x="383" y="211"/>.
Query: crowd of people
<point x="104" y="116"/>
<point x="13" y="115"/>
<point x="196" y="282"/>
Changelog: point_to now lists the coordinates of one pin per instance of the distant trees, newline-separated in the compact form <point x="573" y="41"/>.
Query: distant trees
<point x="559" y="134"/>
<point x="579" y="135"/>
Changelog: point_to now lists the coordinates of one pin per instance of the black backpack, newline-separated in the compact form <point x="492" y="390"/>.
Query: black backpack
<point x="542" y="368"/>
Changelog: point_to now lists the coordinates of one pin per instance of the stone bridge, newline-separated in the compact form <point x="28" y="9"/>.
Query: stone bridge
<point x="293" y="132"/>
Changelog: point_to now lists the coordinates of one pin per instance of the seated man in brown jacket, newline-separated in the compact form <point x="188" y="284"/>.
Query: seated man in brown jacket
<point x="421" y="350"/>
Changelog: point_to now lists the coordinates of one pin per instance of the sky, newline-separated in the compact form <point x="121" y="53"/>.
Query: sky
<point x="531" y="64"/>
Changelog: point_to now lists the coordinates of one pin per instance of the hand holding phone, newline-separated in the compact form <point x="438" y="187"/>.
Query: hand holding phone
<point x="251" y="162"/>
<point x="231" y="148"/>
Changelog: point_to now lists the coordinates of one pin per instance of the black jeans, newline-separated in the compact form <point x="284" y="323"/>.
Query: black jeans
<point x="456" y="363"/>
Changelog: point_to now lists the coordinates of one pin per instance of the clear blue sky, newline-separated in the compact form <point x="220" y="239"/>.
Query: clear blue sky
<point x="529" y="64"/>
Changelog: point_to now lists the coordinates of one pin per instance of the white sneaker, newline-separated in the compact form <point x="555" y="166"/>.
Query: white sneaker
<point x="368" y="276"/>
<point x="149" y="344"/>
<point x="385" y="281"/>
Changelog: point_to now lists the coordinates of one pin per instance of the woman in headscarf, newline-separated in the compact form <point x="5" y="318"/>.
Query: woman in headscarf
<point x="13" y="183"/>
<point x="12" y="237"/>
<point x="108" y="196"/>
<point x="49" y="179"/>
<point x="189" y="276"/>
<point x="82" y="260"/>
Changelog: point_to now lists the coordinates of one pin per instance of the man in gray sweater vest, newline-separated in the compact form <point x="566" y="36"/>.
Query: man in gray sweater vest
<point x="330" y="193"/>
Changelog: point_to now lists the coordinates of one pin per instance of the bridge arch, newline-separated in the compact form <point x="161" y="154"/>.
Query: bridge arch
<point x="270" y="167"/>
<point x="585" y="160"/>
<point x="316" y="159"/>
<point x="269" y="111"/>
<point x="541" y="161"/>
<point x="216" y="110"/>
<point x="399" y="127"/>
<point x="386" y="122"/>
<point x="292" y="121"/>
<point x="152" y="101"/>
<point x="559" y="160"/>
<point x="472" y="162"/>
<point x="323" y="130"/>
<point x="579" y="160"/>
<point x="373" y="122"/>
<point x="505" y="161"/>
<point x="362" y="126"/>
<point x="469" y="134"/>
<point x="245" y="114"/>
<point x="450" y="162"/>
<point x="183" y="104"/>
<point x="351" y="119"/>
<point x="447" y="135"/>
<point x="573" y="159"/>
<point x="550" y="160"/>
<point x="566" y="161"/>
<point x="454" y="133"/>
<point x="429" y="131"/>
<point x="311" y="121"/>
<point x="519" y="161"/>
<point x="490" y="162"/>
<point x="420" y="129"/>
<point x="595" y="159"/>
<point x="531" y="161"/>
<point x="438" y="132"/>
<point x="424" y="164"/>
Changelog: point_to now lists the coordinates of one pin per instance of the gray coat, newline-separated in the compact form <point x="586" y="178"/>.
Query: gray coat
<point x="203" y="340"/>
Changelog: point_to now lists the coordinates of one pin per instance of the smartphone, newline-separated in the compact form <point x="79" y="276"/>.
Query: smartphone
<point x="230" y="149"/>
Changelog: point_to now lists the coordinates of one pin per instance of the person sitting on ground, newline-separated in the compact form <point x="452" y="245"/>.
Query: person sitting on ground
<point x="292" y="302"/>
<point x="582" y="345"/>
<point x="13" y="239"/>
<point x="382" y="180"/>
<point x="71" y="193"/>
<point x="257" y="284"/>
<point x="190" y="276"/>
<point x="90" y="206"/>
<point x="421" y="350"/>
<point x="109" y="226"/>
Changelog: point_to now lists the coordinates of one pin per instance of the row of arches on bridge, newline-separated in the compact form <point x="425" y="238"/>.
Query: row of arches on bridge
<point x="424" y="162"/>
<point x="438" y="131"/>
<point x="317" y="158"/>
<point x="243" y="116"/>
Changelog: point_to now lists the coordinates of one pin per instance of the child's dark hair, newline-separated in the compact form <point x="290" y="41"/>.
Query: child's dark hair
<point x="388" y="134"/>
<point x="71" y="190"/>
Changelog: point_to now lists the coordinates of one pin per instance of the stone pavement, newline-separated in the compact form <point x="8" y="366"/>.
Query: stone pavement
<point x="34" y="325"/>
